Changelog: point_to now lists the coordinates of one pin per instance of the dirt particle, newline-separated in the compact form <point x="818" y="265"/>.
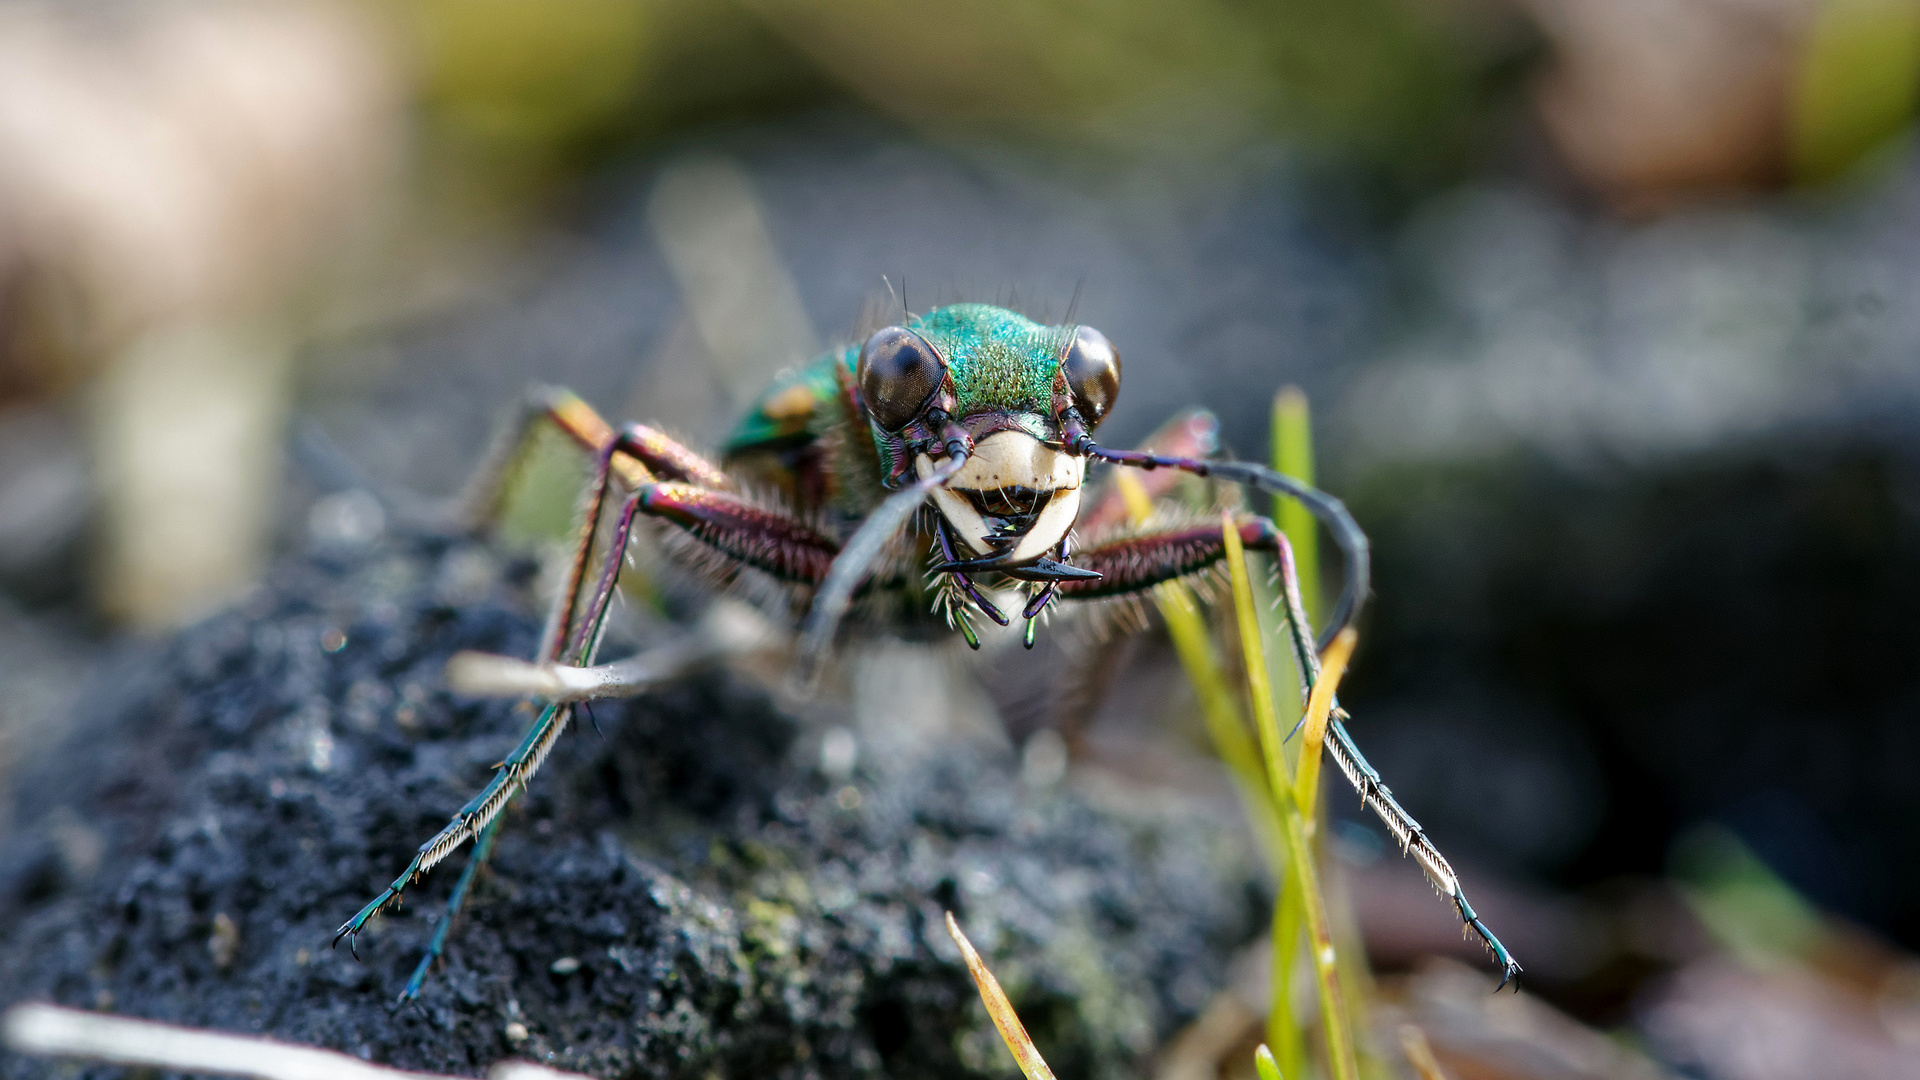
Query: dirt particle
<point x="224" y="941"/>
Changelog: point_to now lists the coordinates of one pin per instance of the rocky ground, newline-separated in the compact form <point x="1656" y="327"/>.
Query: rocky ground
<point x="688" y="895"/>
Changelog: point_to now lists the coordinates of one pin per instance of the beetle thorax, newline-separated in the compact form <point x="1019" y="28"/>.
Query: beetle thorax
<point x="1016" y="496"/>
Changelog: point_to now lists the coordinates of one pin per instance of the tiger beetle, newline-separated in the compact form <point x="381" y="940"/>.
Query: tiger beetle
<point x="972" y="421"/>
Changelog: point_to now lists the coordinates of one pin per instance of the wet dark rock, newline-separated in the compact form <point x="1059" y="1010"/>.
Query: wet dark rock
<point x="686" y="896"/>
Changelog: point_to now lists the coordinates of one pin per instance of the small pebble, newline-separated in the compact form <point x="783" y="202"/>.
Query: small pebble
<point x="839" y="753"/>
<point x="224" y="941"/>
<point x="848" y="797"/>
<point x="566" y="965"/>
<point x="515" y="1031"/>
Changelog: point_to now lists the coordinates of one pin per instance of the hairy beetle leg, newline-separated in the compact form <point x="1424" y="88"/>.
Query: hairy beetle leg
<point x="482" y="849"/>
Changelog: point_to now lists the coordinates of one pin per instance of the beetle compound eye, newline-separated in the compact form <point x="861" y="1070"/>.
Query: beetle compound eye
<point x="1092" y="368"/>
<point x="899" y="371"/>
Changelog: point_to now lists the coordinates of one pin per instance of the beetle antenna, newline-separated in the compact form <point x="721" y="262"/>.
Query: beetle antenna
<point x="1331" y="512"/>
<point x="863" y="549"/>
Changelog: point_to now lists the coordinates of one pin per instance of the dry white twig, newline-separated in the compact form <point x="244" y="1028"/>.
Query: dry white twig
<point x="54" y="1031"/>
<point x="729" y="629"/>
<point x="526" y="1070"/>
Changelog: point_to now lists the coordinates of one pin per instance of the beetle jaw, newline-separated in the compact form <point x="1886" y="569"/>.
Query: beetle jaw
<point x="1016" y="497"/>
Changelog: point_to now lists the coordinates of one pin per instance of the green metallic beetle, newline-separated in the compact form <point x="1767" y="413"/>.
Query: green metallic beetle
<point x="970" y="419"/>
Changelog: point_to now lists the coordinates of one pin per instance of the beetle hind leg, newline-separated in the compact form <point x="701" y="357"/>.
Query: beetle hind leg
<point x="437" y="944"/>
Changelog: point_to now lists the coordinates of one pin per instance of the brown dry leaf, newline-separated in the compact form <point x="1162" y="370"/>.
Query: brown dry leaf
<point x="1652" y="101"/>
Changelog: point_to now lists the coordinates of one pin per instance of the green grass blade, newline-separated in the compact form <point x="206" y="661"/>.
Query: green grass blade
<point x="1264" y="1064"/>
<point x="1292" y="435"/>
<point x="1289" y="915"/>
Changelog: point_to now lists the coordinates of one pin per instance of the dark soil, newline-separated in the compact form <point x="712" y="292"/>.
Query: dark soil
<point x="687" y="896"/>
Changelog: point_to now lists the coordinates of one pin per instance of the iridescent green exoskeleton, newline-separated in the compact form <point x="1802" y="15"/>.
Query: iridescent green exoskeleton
<point x="971" y="421"/>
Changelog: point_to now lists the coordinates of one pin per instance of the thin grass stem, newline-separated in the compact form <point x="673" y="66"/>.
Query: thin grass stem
<point x="1292" y="435"/>
<point x="1289" y="918"/>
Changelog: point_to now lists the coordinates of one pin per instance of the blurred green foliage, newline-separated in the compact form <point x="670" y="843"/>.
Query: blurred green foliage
<point x="1393" y="83"/>
<point x="1409" y="93"/>
<point x="1858" y="82"/>
<point x="1744" y="905"/>
<point x="516" y="71"/>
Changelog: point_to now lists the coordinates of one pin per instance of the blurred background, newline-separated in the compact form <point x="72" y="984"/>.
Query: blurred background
<point x="1607" y="309"/>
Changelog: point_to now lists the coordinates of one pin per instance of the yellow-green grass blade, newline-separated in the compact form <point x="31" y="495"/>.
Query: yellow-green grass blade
<point x="1292" y="435"/>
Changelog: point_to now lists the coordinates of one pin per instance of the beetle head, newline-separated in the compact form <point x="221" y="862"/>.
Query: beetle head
<point x="1012" y="385"/>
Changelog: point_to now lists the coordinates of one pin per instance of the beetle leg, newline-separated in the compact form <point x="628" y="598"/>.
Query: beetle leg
<point x="1138" y="563"/>
<point x="437" y="944"/>
<point x="736" y="530"/>
<point x="743" y="534"/>
<point x="1374" y="794"/>
<point x="565" y="639"/>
